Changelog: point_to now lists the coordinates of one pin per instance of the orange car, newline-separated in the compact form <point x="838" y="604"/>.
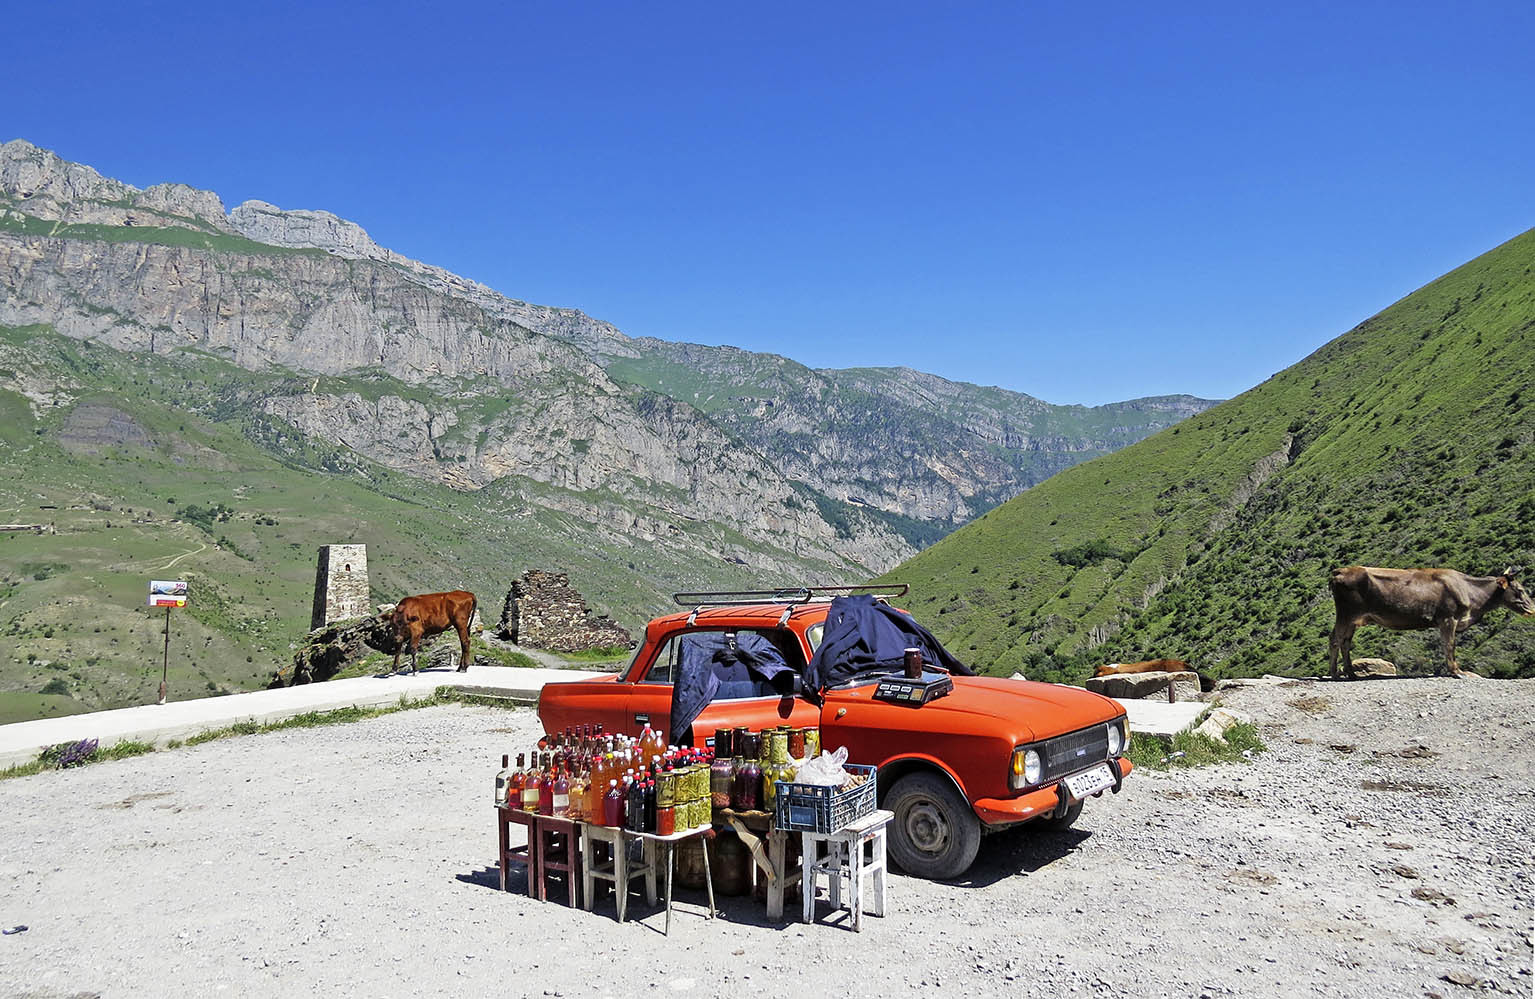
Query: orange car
<point x="991" y="753"/>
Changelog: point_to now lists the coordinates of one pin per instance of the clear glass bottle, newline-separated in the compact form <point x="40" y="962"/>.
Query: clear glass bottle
<point x="502" y="778"/>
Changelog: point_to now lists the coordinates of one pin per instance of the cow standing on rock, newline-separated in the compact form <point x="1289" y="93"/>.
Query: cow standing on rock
<point x="1411" y="599"/>
<point x="429" y="615"/>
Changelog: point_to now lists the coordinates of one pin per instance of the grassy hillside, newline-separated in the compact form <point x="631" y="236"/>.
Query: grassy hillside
<point x="1406" y="441"/>
<point x="163" y="468"/>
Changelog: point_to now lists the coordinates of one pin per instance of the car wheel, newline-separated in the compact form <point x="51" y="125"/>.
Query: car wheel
<point x="934" y="833"/>
<point x="1064" y="821"/>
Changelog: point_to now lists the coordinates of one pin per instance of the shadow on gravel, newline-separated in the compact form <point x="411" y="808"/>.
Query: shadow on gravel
<point x="490" y="877"/>
<point x="1021" y="850"/>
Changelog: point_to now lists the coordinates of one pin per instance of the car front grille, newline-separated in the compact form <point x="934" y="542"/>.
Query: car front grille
<point x="1066" y="754"/>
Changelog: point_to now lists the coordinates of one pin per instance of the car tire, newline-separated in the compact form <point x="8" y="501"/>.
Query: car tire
<point x="934" y="834"/>
<point x="1057" y="823"/>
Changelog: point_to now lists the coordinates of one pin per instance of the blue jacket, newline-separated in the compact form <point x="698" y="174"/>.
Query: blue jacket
<point x="865" y="636"/>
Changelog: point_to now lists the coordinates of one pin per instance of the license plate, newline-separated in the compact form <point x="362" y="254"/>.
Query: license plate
<point x="1088" y="782"/>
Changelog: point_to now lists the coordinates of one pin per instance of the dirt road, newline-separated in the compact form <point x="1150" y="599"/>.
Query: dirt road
<point x="1381" y="848"/>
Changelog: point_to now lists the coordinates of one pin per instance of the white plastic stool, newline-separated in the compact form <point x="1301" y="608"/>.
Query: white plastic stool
<point x="843" y="857"/>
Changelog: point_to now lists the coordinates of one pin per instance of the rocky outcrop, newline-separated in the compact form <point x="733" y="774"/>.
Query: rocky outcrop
<point x="331" y="649"/>
<point x="543" y="611"/>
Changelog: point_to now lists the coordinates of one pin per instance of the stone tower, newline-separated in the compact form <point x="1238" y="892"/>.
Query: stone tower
<point x="340" y="585"/>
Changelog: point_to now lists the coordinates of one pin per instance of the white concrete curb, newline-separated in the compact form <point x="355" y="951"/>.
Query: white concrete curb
<point x="160" y="723"/>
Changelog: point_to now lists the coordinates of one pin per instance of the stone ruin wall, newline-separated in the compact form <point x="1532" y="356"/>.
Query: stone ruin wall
<point x="340" y="585"/>
<point x="543" y="612"/>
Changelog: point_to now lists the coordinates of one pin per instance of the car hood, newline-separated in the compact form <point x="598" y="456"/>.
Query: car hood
<point x="1021" y="710"/>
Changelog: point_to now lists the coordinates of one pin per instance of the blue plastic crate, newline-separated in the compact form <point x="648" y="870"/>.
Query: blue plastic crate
<point x="817" y="808"/>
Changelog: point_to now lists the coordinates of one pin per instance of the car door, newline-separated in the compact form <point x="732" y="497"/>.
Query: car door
<point x="650" y="700"/>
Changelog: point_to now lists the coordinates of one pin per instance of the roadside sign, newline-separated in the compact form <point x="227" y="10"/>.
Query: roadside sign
<point x="167" y="593"/>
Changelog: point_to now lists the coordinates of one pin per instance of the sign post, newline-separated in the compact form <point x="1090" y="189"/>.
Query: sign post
<point x="167" y="594"/>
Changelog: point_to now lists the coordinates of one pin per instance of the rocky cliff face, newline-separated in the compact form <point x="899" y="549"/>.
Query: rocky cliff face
<point x="444" y="378"/>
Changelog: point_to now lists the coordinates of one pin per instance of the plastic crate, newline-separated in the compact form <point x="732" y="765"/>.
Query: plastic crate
<point x="816" y="808"/>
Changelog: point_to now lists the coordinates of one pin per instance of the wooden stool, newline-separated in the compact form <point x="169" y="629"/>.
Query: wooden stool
<point x="844" y="858"/>
<point x="527" y="853"/>
<point x="557" y="851"/>
<point x="618" y="868"/>
<point x="668" y="844"/>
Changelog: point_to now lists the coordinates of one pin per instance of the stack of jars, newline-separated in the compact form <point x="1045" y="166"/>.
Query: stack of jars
<point x="748" y="765"/>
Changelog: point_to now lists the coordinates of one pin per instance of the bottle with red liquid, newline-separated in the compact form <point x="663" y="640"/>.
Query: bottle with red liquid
<point x="546" y="788"/>
<point x="531" y="784"/>
<point x="560" y="806"/>
<point x="613" y="806"/>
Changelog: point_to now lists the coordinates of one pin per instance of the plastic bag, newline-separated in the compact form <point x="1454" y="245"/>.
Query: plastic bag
<point x="825" y="770"/>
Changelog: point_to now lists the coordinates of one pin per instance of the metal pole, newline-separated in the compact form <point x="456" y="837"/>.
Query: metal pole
<point x="166" y="666"/>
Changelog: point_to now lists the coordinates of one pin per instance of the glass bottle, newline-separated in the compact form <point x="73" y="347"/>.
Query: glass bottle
<point x="532" y="783"/>
<point x="560" y="796"/>
<point x="514" y="785"/>
<point x="546" y="789"/>
<point x="502" y="778"/>
<point x="613" y="805"/>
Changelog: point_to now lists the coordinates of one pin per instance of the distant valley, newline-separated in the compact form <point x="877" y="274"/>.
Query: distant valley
<point x="216" y="393"/>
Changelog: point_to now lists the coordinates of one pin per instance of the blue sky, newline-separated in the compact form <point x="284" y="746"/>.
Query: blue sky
<point x="1085" y="202"/>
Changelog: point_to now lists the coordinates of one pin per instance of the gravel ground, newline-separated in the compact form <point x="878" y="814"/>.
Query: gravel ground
<point x="1380" y="848"/>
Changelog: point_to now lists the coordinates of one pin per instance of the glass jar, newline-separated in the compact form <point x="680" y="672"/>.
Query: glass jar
<point x="722" y="773"/>
<point x="746" y="796"/>
<point x="778" y="747"/>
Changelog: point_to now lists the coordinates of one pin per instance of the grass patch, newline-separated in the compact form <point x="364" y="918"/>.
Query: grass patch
<point x="1312" y="704"/>
<point x="1242" y="743"/>
<point x="606" y="654"/>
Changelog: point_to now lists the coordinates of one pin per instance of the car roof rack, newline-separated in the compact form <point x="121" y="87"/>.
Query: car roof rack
<point x="785" y="595"/>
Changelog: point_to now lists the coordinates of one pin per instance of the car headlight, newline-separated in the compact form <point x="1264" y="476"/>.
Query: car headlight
<point x="1027" y="767"/>
<point x="1116" y="739"/>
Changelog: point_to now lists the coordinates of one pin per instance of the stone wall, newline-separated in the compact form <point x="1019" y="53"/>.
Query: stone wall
<point x="340" y="585"/>
<point x="543" y="612"/>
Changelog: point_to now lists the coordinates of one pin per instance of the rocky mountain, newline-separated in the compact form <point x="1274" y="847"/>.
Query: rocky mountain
<point x="167" y="269"/>
<point x="292" y="339"/>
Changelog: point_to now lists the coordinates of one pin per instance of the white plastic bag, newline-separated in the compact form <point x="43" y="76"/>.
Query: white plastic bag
<point x="825" y="770"/>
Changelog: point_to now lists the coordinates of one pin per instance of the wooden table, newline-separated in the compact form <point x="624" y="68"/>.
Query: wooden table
<point x="667" y="845"/>
<point x="753" y="828"/>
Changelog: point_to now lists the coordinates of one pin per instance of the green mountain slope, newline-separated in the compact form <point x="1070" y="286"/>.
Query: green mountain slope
<point x="1406" y="441"/>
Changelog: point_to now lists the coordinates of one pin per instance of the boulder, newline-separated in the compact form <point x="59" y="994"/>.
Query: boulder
<point x="1135" y="686"/>
<point x="1369" y="669"/>
<point x="1218" y="721"/>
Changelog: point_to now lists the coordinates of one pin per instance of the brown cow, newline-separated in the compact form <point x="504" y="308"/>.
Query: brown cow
<point x="429" y="615"/>
<point x="1149" y="666"/>
<point x="1409" y="599"/>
